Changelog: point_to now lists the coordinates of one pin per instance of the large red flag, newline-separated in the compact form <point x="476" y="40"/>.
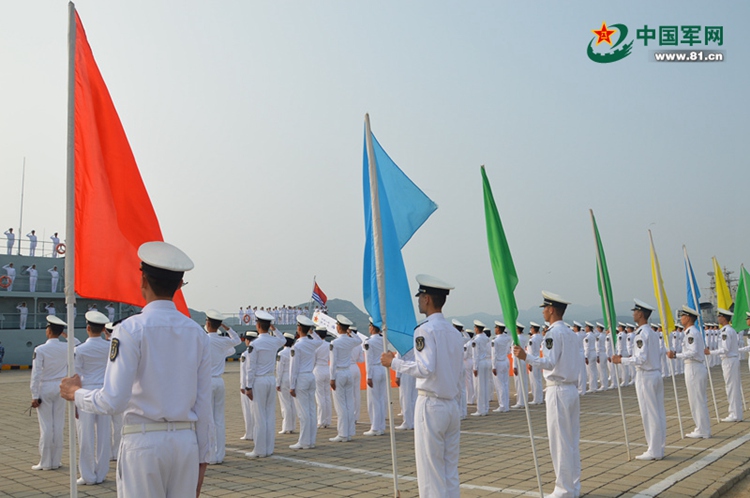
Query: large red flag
<point x="113" y="212"/>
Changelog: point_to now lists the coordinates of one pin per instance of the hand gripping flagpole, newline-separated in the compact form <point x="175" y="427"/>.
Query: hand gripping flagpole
<point x="694" y="289"/>
<point x="656" y="271"/>
<point x="377" y="235"/>
<point x="70" y="295"/>
<point x="610" y="318"/>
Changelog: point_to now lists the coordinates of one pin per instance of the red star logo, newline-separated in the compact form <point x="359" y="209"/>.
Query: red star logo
<point x="603" y="34"/>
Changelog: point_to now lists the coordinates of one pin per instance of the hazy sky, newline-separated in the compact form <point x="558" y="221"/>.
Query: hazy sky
<point x="246" y="119"/>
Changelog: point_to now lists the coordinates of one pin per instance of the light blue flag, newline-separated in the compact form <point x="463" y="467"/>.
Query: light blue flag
<point x="693" y="292"/>
<point x="403" y="209"/>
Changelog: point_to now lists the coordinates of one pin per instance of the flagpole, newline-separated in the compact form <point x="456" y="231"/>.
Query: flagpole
<point x="694" y="290"/>
<point x="309" y="305"/>
<point x="377" y="236"/>
<point x="607" y="311"/>
<point x="524" y="389"/>
<point x="662" y="314"/>
<point x="20" y="221"/>
<point x="744" y="281"/>
<point x="70" y="296"/>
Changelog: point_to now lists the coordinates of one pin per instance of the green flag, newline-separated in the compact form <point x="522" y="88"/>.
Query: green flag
<point x="741" y="302"/>
<point x="604" y="284"/>
<point x="502" y="262"/>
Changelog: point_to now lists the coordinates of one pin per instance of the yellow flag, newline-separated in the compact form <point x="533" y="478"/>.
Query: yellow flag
<point x="665" y="312"/>
<point x="723" y="297"/>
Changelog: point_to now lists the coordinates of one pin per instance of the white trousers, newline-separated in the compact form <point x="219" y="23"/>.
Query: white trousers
<point x="32" y="252"/>
<point x="51" y="415"/>
<point x="471" y="395"/>
<point x="116" y="421"/>
<point x="537" y="391"/>
<point x="407" y="398"/>
<point x="501" y="385"/>
<point x="288" y="411"/>
<point x="10" y="287"/>
<point x="437" y="434"/>
<point x="32" y="284"/>
<point x="344" y="402"/>
<point x="356" y="377"/>
<point x="94" y="445"/>
<point x="564" y="431"/>
<point x="23" y="317"/>
<point x="218" y="395"/>
<point x="649" y="387"/>
<point x="264" y="415"/>
<point x="247" y="416"/>
<point x="593" y="375"/>
<point x="624" y="373"/>
<point x="695" y="380"/>
<point x="603" y="373"/>
<point x="377" y="400"/>
<point x="730" y="367"/>
<point x="54" y="284"/>
<point x="612" y="375"/>
<point x="323" y="394"/>
<point x="160" y="464"/>
<point x="462" y="405"/>
<point x="522" y="395"/>
<point x="483" y="386"/>
<point x="304" y="401"/>
<point x="582" y="377"/>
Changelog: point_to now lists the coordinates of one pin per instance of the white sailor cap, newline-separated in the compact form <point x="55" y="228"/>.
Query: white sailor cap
<point x="551" y="299"/>
<point x="748" y="314"/>
<point x="653" y="325"/>
<point x="109" y="326"/>
<point x="96" y="317"/>
<point x="431" y="285"/>
<point x="589" y="324"/>
<point x="630" y="325"/>
<point x="534" y="324"/>
<point x="679" y="326"/>
<point x="546" y="324"/>
<point x="305" y="321"/>
<point x="724" y="312"/>
<point x="54" y="320"/>
<point x="577" y="324"/>
<point x="263" y="315"/>
<point x="344" y="321"/>
<point x="321" y="328"/>
<point x="499" y="324"/>
<point x="620" y="324"/>
<point x="520" y="325"/>
<point x="456" y="323"/>
<point x="478" y="323"/>
<point x="640" y="305"/>
<point x="251" y="334"/>
<point x="687" y="310"/>
<point x="289" y="335"/>
<point x="353" y="328"/>
<point x="215" y="315"/>
<point x="163" y="260"/>
<point x="599" y="324"/>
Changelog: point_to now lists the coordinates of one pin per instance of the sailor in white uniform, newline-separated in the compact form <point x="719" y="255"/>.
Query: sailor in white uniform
<point x="286" y="402"/>
<point x="302" y="381"/>
<point x="222" y="345"/>
<point x="729" y="352"/>
<point x="649" y="386"/>
<point x="33" y="276"/>
<point x="322" y="380"/>
<point x="261" y="383"/>
<point x="23" y="315"/>
<point x="534" y="348"/>
<point x="110" y="311"/>
<point x="480" y="348"/>
<point x="560" y="365"/>
<point x="601" y="357"/>
<point x="173" y="419"/>
<point x="245" y="403"/>
<point x="115" y="418"/>
<point x="407" y="395"/>
<point x="55" y="277"/>
<point x="377" y="398"/>
<point x="622" y="350"/>
<point x="696" y="375"/>
<point x="32" y="242"/>
<point x="11" y="240"/>
<point x="438" y="358"/>
<point x="341" y="352"/>
<point x="592" y="372"/>
<point x="55" y="243"/>
<point x="581" y="336"/>
<point x="94" y="436"/>
<point x="49" y="364"/>
<point x="468" y="369"/>
<point x="521" y="375"/>
<point x="358" y="356"/>
<point x="11" y="273"/>
<point x="500" y="366"/>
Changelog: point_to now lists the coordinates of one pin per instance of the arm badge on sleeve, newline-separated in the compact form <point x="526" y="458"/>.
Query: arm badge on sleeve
<point x="419" y="343"/>
<point x="548" y="342"/>
<point x="639" y="343"/>
<point x="114" y="349"/>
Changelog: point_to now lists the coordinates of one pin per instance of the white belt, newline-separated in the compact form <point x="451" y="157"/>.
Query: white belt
<point x="157" y="427"/>
<point x="555" y="383"/>
<point x="430" y="394"/>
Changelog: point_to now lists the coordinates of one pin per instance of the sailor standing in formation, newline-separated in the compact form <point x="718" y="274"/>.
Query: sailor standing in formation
<point x="407" y="395"/>
<point x="480" y="348"/>
<point x="322" y="380"/>
<point x="33" y="276"/>
<point x="49" y="364"/>
<point x="221" y="347"/>
<point x="560" y="365"/>
<point x="288" y="410"/>
<point x="520" y="372"/>
<point x="245" y="403"/>
<point x="173" y="419"/>
<point x="23" y="315"/>
<point x="358" y="356"/>
<point x="341" y="378"/>
<point x="55" y="277"/>
<point x="729" y="351"/>
<point x="649" y="386"/>
<point x="438" y="359"/>
<point x="534" y="348"/>
<point x="377" y="398"/>
<point x="55" y="243"/>
<point x="261" y="384"/>
<point x="581" y="336"/>
<point x="32" y="242"/>
<point x="94" y="436"/>
<point x="11" y="273"/>
<point x="592" y="372"/>
<point x="11" y="240"/>
<point x="500" y="366"/>
<point x="302" y="381"/>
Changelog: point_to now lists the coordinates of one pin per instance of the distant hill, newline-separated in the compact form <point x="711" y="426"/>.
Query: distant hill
<point x="574" y="312"/>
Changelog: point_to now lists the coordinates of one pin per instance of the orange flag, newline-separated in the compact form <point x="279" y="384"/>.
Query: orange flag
<point x="113" y="212"/>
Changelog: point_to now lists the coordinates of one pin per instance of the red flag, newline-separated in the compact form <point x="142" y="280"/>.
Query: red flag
<point x="113" y="212"/>
<point x="318" y="295"/>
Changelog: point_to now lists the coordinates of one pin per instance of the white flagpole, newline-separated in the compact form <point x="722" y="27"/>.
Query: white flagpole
<point x="694" y="290"/>
<point x="610" y="322"/>
<point x="20" y="222"/>
<point x="519" y="365"/>
<point x="309" y="305"/>
<point x="377" y="236"/>
<point x="744" y="403"/>
<point x="663" y="313"/>
<point x="70" y="295"/>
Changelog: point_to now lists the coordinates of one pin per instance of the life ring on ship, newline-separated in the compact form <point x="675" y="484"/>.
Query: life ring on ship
<point x="246" y="319"/>
<point x="5" y="281"/>
<point x="60" y="248"/>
